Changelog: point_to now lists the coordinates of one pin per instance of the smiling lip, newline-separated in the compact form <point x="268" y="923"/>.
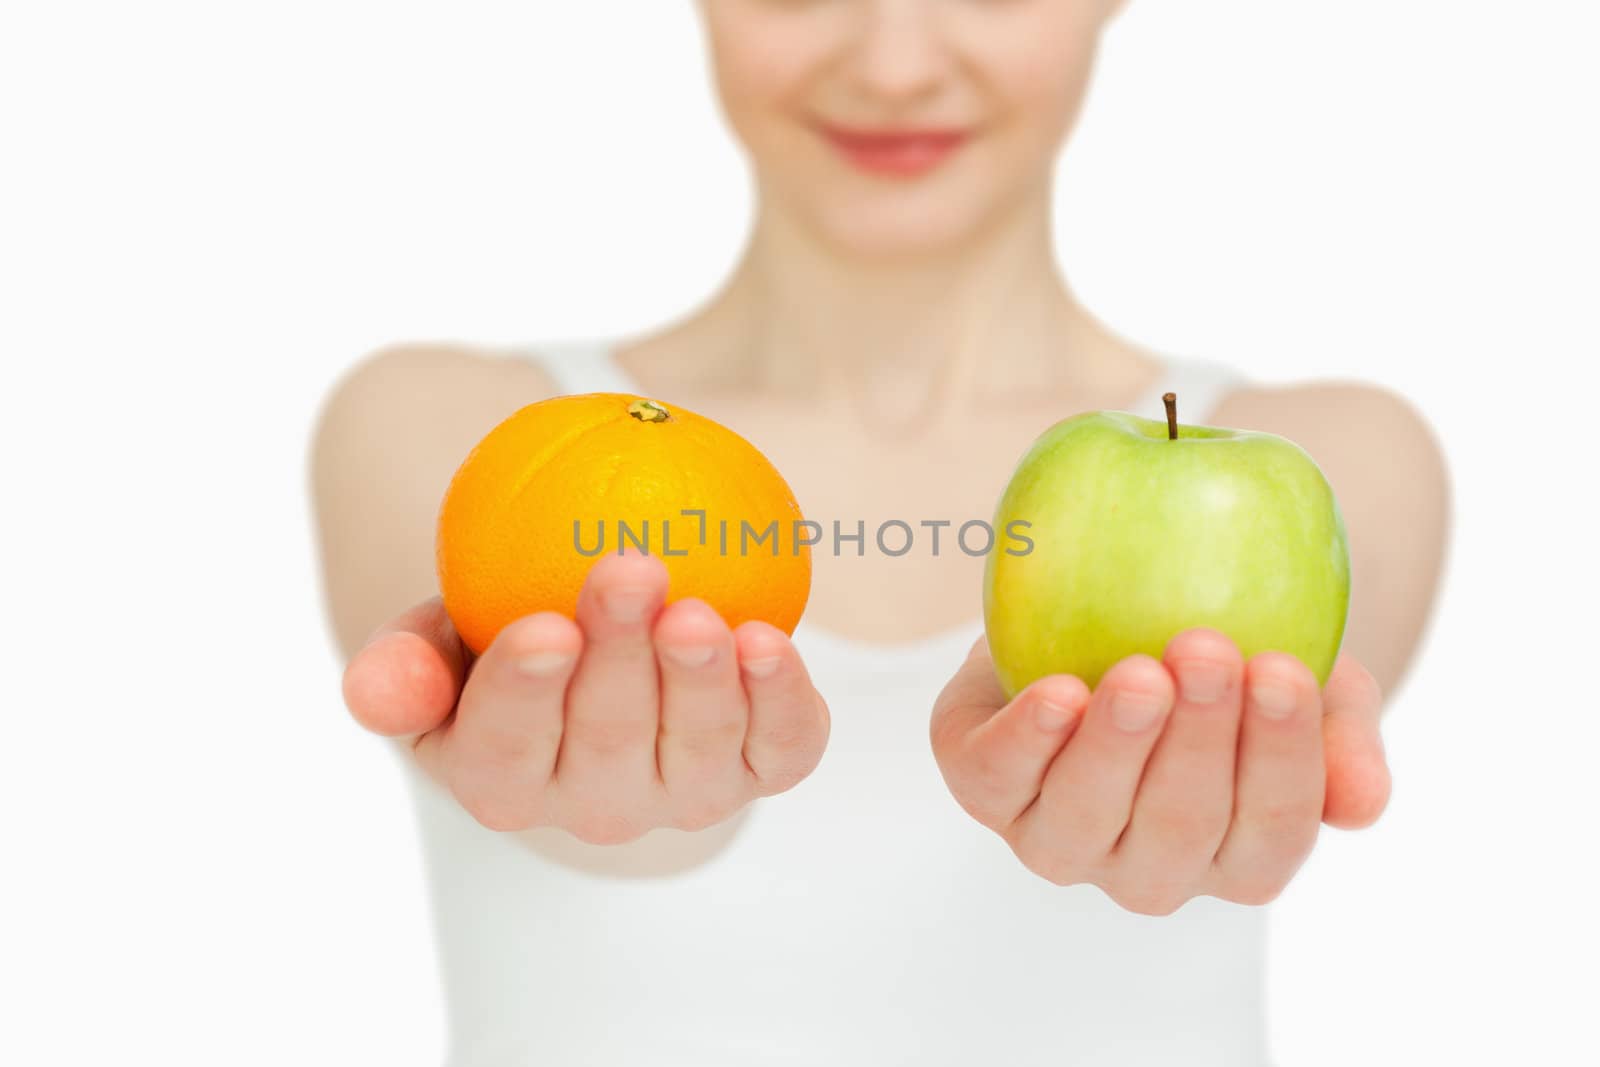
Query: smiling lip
<point x="895" y="153"/>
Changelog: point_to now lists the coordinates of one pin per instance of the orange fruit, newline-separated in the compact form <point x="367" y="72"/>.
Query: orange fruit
<point x="560" y="482"/>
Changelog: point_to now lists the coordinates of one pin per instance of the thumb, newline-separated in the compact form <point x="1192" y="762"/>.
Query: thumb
<point x="1358" y="771"/>
<point x="406" y="679"/>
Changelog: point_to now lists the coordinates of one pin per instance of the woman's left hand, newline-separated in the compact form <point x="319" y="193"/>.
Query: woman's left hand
<point x="1199" y="774"/>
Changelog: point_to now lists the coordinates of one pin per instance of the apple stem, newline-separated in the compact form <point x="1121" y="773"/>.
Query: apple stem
<point x="1171" y="400"/>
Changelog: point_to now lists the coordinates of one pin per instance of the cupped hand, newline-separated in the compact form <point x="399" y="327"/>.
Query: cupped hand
<point x="633" y="717"/>
<point x="1195" y="775"/>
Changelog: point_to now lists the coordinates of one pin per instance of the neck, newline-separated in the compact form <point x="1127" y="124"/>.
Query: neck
<point x="902" y="341"/>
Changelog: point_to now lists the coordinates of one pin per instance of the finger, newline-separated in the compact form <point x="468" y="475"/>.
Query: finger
<point x="613" y="703"/>
<point x="789" y="721"/>
<point x="1358" y="770"/>
<point x="406" y="678"/>
<point x="1087" y="796"/>
<point x="1185" y="799"/>
<point x="995" y="770"/>
<point x="704" y="715"/>
<point x="498" y="753"/>
<point x="1279" y="784"/>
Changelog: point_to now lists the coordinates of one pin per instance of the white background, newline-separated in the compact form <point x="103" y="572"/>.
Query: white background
<point x="211" y="209"/>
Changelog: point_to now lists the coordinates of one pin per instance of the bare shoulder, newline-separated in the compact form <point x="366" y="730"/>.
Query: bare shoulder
<point x="1388" y="471"/>
<point x="1320" y="406"/>
<point x="433" y="382"/>
<point x="1360" y="433"/>
<point x="390" y="434"/>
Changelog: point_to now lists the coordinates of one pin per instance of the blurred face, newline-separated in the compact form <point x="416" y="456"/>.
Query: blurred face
<point x="892" y="127"/>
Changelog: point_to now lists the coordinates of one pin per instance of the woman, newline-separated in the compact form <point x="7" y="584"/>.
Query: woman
<point x="947" y="877"/>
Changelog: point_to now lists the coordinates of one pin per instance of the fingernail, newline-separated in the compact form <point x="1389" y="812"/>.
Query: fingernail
<point x="1051" y="717"/>
<point x="765" y="667"/>
<point x="626" y="605"/>
<point x="1273" y="699"/>
<point x="1202" y="681"/>
<point x="543" y="664"/>
<point x="688" y="655"/>
<point x="1134" y="711"/>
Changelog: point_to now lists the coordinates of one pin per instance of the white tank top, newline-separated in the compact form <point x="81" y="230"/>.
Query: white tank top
<point x="861" y="919"/>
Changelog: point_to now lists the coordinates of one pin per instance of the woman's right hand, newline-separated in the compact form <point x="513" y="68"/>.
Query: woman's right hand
<point x="631" y="718"/>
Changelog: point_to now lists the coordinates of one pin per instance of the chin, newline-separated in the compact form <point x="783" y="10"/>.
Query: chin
<point x="902" y="232"/>
<point x="901" y="221"/>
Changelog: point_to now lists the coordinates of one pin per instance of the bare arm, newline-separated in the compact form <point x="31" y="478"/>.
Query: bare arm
<point x="389" y="439"/>
<point x="1389" y="474"/>
<point x="1204" y="773"/>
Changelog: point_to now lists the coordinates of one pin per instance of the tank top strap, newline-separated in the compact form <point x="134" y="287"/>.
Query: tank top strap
<point x="1200" y="384"/>
<point x="580" y="367"/>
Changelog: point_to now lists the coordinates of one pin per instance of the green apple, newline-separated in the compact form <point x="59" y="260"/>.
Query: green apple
<point x="1141" y="529"/>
